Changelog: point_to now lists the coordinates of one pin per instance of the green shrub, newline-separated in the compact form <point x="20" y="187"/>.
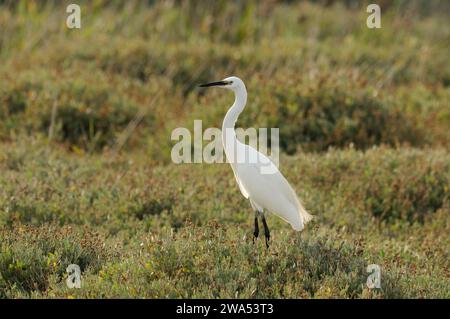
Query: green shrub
<point x="298" y="270"/>
<point x="391" y="185"/>
<point x="30" y="255"/>
<point x="408" y="189"/>
<point x="153" y="207"/>
<point x="311" y="68"/>
<point x="85" y="113"/>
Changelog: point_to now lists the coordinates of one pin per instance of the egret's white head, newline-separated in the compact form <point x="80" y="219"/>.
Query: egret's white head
<point x="232" y="83"/>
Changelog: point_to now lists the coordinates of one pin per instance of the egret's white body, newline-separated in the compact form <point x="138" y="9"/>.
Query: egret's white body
<point x="269" y="192"/>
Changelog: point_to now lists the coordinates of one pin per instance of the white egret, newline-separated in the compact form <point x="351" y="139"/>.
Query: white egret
<point x="267" y="192"/>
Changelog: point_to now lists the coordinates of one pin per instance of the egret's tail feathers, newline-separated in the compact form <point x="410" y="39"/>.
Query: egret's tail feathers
<point x="305" y="215"/>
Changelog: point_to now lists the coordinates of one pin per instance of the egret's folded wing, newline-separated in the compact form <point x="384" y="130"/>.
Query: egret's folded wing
<point x="274" y="180"/>
<point x="291" y="196"/>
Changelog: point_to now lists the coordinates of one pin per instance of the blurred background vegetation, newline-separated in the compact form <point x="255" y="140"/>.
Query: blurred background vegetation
<point x="85" y="122"/>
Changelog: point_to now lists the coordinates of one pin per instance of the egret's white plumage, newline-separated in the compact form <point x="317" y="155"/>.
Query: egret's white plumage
<point x="266" y="191"/>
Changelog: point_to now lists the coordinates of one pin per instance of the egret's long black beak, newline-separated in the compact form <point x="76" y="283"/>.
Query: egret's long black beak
<point x="218" y="83"/>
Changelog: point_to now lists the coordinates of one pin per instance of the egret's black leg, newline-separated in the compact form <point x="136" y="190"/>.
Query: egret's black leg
<point x="256" y="231"/>
<point x="266" y="231"/>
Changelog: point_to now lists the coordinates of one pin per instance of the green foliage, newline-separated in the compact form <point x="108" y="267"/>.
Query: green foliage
<point x="317" y="118"/>
<point x="414" y="189"/>
<point x="85" y="112"/>
<point x="185" y="234"/>
<point x="407" y="185"/>
<point x="298" y="81"/>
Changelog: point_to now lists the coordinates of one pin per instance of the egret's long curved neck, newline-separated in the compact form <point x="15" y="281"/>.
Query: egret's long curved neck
<point x="232" y="115"/>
